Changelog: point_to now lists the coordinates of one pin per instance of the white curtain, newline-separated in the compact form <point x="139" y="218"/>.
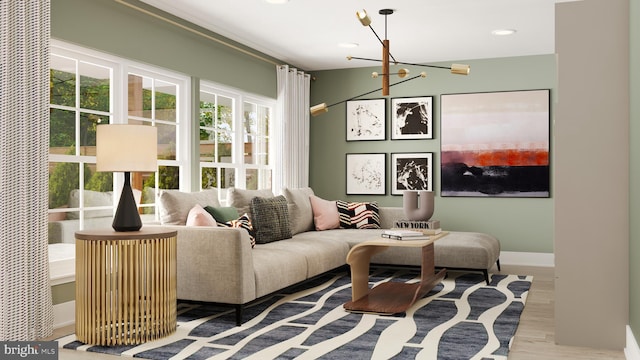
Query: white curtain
<point x="26" y="311"/>
<point x="293" y="113"/>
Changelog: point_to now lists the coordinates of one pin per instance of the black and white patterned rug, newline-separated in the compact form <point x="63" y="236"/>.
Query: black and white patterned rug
<point x="461" y="318"/>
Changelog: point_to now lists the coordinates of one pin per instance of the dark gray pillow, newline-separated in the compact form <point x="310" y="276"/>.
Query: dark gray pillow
<point x="270" y="219"/>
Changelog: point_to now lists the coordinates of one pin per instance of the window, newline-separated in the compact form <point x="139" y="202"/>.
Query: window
<point x="80" y="99"/>
<point x="234" y="147"/>
<point x="153" y="100"/>
<point x="89" y="89"/>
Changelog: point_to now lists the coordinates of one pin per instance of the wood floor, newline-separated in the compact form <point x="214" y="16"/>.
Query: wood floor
<point x="534" y="339"/>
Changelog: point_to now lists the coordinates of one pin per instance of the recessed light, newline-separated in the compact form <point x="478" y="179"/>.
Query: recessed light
<point x="503" y="32"/>
<point x="348" y="45"/>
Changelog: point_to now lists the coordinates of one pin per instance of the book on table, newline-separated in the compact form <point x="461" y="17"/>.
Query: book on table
<point x="403" y="234"/>
<point x="428" y="227"/>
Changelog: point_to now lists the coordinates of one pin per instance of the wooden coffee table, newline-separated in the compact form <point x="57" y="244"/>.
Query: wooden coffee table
<point x="390" y="297"/>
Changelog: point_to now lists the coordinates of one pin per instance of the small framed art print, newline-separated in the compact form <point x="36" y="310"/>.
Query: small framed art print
<point x="366" y="119"/>
<point x="366" y="174"/>
<point x="411" y="171"/>
<point x="412" y="118"/>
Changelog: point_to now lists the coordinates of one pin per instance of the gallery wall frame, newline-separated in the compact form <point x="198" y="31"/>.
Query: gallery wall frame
<point x="495" y="144"/>
<point x="366" y="119"/>
<point x="411" y="171"/>
<point x="412" y="118"/>
<point x="366" y="174"/>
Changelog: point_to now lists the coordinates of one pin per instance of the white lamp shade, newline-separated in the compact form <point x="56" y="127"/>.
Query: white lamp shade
<point x="124" y="147"/>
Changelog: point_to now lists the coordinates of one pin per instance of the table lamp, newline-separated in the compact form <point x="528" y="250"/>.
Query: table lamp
<point x="127" y="148"/>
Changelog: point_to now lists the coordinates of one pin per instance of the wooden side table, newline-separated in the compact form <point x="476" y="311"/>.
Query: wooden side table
<point x="125" y="285"/>
<point x="390" y="297"/>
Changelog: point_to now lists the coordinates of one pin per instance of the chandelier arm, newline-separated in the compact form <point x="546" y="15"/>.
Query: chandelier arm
<point x="367" y="93"/>
<point x="381" y="42"/>
<point x="424" y="65"/>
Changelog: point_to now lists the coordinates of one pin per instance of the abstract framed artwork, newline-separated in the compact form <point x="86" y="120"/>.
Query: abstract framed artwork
<point x="366" y="119"/>
<point x="495" y="144"/>
<point x="366" y="174"/>
<point x="412" y="118"/>
<point x="411" y="171"/>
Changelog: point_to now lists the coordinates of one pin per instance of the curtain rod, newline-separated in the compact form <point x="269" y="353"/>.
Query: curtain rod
<point x="184" y="27"/>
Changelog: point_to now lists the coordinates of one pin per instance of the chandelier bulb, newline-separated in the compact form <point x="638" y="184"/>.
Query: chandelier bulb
<point x="365" y="20"/>
<point x="402" y="73"/>
<point x="349" y="57"/>
<point x="374" y="75"/>
<point x="423" y="74"/>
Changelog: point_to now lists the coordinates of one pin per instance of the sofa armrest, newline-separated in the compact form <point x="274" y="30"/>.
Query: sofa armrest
<point x="214" y="264"/>
<point x="388" y="215"/>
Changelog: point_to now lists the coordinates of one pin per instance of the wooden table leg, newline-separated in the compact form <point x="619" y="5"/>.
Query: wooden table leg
<point x="388" y="297"/>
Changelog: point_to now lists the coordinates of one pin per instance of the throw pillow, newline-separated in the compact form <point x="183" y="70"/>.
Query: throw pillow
<point x="300" y="212"/>
<point x="222" y="214"/>
<point x="358" y="215"/>
<point x="270" y="219"/>
<point x="198" y="216"/>
<point x="241" y="198"/>
<point x="243" y="222"/>
<point x="174" y="205"/>
<point x="325" y="213"/>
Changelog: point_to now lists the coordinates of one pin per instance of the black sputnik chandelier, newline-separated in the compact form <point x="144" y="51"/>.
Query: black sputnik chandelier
<point x="387" y="59"/>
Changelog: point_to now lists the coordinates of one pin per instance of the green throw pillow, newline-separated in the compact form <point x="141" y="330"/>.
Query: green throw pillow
<point x="222" y="214"/>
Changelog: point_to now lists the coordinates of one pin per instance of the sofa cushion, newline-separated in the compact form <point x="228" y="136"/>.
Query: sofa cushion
<point x="270" y="219"/>
<point x="358" y="215"/>
<point x="174" y="205"/>
<point x="222" y="214"/>
<point x="325" y="213"/>
<point x="241" y="198"/>
<point x="198" y="216"/>
<point x="300" y="212"/>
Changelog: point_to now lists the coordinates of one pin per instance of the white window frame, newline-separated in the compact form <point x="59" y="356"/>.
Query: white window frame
<point x="118" y="114"/>
<point x="237" y="163"/>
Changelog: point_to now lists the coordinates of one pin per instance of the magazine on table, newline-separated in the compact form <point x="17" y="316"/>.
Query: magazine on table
<point x="402" y="234"/>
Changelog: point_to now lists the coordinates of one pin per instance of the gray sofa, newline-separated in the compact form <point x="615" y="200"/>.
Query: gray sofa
<point x="219" y="264"/>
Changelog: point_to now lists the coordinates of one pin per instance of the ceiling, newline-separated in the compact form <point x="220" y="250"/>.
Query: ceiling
<point x="307" y="33"/>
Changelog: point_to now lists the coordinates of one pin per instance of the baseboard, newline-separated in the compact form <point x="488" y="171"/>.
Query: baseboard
<point x="527" y="259"/>
<point x="64" y="314"/>
<point x="631" y="350"/>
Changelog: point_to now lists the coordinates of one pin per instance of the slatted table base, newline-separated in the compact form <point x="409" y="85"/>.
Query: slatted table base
<point x="125" y="289"/>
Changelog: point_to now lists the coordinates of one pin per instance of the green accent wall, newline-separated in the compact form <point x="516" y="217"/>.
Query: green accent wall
<point x="634" y="170"/>
<point x="63" y="292"/>
<point x="114" y="28"/>
<point x="521" y="224"/>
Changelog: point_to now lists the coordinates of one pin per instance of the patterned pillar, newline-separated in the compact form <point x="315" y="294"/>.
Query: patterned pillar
<point x="26" y="311"/>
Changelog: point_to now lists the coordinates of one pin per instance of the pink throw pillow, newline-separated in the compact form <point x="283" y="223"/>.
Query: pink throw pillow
<point x="325" y="213"/>
<point x="198" y="216"/>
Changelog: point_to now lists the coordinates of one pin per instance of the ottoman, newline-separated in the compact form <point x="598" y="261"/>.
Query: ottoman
<point x="468" y="251"/>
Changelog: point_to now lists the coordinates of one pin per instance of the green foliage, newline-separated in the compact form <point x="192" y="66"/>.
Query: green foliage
<point x="100" y="181"/>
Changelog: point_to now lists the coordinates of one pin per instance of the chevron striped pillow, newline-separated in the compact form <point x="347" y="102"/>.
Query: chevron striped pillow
<point x="358" y="215"/>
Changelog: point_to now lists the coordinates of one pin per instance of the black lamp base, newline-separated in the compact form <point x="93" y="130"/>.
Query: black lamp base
<point x="127" y="217"/>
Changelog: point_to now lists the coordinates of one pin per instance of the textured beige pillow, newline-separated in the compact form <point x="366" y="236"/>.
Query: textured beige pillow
<point x="174" y="205"/>
<point x="241" y="198"/>
<point x="300" y="213"/>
